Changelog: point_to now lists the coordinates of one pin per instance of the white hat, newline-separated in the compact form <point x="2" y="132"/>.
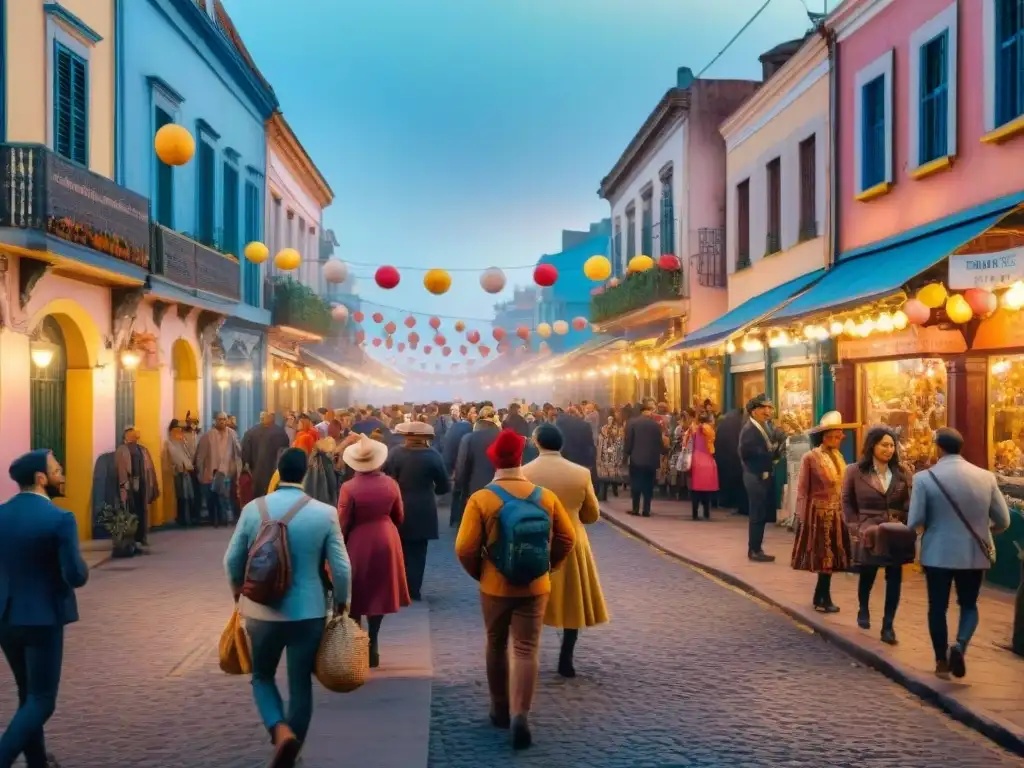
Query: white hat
<point x="415" y="428"/>
<point x="831" y="421"/>
<point x="366" y="455"/>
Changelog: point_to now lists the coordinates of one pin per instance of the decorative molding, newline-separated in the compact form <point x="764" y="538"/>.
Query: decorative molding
<point x="208" y="326"/>
<point x="159" y="310"/>
<point x="255" y="172"/>
<point x="292" y="151"/>
<point x="30" y="272"/>
<point x="57" y="11"/>
<point x="183" y="311"/>
<point x="850" y="16"/>
<point x="206" y="129"/>
<point x="232" y="154"/>
<point x="165" y="89"/>
<point x="124" y="306"/>
<point x="944" y="21"/>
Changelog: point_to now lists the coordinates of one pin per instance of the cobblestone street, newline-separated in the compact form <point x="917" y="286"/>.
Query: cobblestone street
<point x="688" y="673"/>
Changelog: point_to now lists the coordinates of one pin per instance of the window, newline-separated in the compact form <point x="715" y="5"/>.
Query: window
<point x="873" y="136"/>
<point x="931" y="95"/>
<point x="872" y="128"/>
<point x="934" y="95"/>
<point x="250" y="271"/>
<point x="647" y="223"/>
<point x="617" y="248"/>
<point x="773" y="241"/>
<point x="206" y="193"/>
<point x="277" y="223"/>
<point x="743" y="224"/>
<point x="1009" y="65"/>
<point x="808" y="189"/>
<point x="630" y="233"/>
<point x="163" y="205"/>
<point x="230" y="239"/>
<point x="70" y="105"/>
<point x="667" y="233"/>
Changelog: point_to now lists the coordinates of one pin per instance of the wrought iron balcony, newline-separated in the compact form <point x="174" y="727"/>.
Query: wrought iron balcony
<point x="711" y="272"/>
<point x="46" y="194"/>
<point x="194" y="266"/>
<point x="636" y="291"/>
<point x="296" y="305"/>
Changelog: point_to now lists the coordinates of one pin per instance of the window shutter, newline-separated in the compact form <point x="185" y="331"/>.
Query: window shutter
<point x="79" y="111"/>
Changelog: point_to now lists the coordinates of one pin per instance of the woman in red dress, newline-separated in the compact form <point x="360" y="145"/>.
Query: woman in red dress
<point x="370" y="509"/>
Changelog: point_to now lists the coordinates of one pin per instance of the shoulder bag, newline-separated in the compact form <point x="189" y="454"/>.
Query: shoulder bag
<point x="986" y="547"/>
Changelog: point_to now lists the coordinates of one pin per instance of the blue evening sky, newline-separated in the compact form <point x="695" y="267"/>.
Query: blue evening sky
<point x="466" y="133"/>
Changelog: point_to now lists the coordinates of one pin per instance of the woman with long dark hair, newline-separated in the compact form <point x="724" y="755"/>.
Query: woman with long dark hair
<point x="876" y="491"/>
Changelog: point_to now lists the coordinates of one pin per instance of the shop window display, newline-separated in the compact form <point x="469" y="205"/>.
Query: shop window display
<point x="707" y="386"/>
<point x="1006" y="398"/>
<point x="747" y="387"/>
<point x="909" y="396"/>
<point x="795" y="397"/>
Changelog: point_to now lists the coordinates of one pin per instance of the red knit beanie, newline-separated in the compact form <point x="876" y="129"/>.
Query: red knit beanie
<point x="507" y="451"/>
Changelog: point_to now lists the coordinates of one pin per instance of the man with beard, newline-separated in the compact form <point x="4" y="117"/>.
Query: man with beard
<point x="261" y="447"/>
<point x="136" y="481"/>
<point x="41" y="566"/>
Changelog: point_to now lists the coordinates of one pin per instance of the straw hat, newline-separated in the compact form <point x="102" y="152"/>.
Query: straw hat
<point x="420" y="428"/>
<point x="831" y="421"/>
<point x="366" y="455"/>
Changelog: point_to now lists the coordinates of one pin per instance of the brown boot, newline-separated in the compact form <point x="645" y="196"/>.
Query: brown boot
<point x="286" y="747"/>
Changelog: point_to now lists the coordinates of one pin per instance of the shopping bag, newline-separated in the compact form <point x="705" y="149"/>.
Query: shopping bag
<point x="235" y="658"/>
<point x="343" y="659"/>
<point x="685" y="460"/>
<point x="246" y="492"/>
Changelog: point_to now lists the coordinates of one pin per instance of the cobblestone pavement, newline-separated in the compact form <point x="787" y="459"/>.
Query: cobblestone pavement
<point x="141" y="687"/>
<point x="688" y="673"/>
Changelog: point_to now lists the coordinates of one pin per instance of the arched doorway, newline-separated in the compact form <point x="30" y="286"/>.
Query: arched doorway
<point x="48" y="389"/>
<point x="185" y="366"/>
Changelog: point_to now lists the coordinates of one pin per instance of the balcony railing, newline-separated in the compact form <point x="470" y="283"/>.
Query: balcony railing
<point x="772" y="243"/>
<point x="297" y="306"/>
<point x="193" y="265"/>
<point x="637" y="291"/>
<point x="711" y="272"/>
<point x="43" y="192"/>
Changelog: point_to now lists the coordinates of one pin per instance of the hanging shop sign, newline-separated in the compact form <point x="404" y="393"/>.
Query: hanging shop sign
<point x="986" y="270"/>
<point x="924" y="341"/>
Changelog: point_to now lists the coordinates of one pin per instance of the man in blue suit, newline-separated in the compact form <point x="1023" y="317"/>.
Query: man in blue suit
<point x="41" y="566"/>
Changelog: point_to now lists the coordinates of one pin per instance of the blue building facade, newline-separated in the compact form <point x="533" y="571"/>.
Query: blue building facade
<point x="569" y="297"/>
<point x="183" y="62"/>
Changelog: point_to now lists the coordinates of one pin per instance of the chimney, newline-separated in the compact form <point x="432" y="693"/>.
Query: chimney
<point x="684" y="77"/>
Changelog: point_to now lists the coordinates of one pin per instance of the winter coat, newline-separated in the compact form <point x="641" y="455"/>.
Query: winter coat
<point x="421" y="477"/>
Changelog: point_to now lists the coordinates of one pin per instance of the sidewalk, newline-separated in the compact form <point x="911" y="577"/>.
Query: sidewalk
<point x="991" y="697"/>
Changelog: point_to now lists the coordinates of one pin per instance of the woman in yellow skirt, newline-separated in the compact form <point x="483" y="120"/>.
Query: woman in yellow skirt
<point x="576" y="600"/>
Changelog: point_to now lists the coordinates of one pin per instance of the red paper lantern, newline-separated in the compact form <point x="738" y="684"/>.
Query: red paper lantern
<point x="473" y="337"/>
<point x="390" y="328"/>
<point x="545" y="275"/>
<point x="376" y="341"/>
<point x="484" y="351"/>
<point x="358" y="316"/>
<point x="523" y="332"/>
<point x="427" y="349"/>
<point x="463" y="349"/>
<point x="387" y="277"/>
<point x="440" y="340"/>
<point x="414" y="338"/>
<point x="401" y="346"/>
<point x="435" y="323"/>
<point x="388" y="342"/>
<point x="410" y="322"/>
<point x="499" y="334"/>
<point x="981" y="302"/>
<point x="378" y="317"/>
<point x="446" y="351"/>
<point x="459" y="326"/>
<point x="917" y="313"/>
<point x="669" y="262"/>
<point x="579" y="323"/>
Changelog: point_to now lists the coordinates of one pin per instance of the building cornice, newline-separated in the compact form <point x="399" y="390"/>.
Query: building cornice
<point x="281" y="135"/>
<point x="675" y="103"/>
<point x="803" y="63"/>
<point x="854" y="14"/>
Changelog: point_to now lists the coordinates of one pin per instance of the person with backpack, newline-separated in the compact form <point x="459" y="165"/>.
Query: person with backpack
<point x="512" y="535"/>
<point x="275" y="566"/>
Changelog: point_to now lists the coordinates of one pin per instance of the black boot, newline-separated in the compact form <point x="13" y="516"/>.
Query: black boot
<point x="565" y="665"/>
<point x="374" y="623"/>
<point x="864" y="617"/>
<point x="521" y="736"/>
<point x="823" y="595"/>
<point x="888" y="633"/>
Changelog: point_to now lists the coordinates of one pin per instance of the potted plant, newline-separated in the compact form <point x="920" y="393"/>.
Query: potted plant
<point x="121" y="525"/>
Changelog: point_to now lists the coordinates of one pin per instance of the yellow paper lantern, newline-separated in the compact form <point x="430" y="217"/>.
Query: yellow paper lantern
<point x="597" y="268"/>
<point x="256" y="252"/>
<point x="957" y="309"/>
<point x="641" y="263"/>
<point x="1014" y="297"/>
<point x="287" y="259"/>
<point x="900" y="320"/>
<point x="543" y="330"/>
<point x="932" y="295"/>
<point x="174" y="145"/>
<point x="437" y="281"/>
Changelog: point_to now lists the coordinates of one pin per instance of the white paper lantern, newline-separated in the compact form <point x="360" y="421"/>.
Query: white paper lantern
<point x="339" y="312"/>
<point x="492" y="280"/>
<point x="335" y="271"/>
<point x="560" y="327"/>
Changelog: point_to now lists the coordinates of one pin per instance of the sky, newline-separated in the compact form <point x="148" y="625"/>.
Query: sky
<point x="468" y="133"/>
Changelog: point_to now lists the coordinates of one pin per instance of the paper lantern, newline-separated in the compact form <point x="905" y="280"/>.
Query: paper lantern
<point x="669" y="262"/>
<point x="376" y="341"/>
<point x="287" y="259"/>
<point x="414" y="338"/>
<point x="410" y="322"/>
<point x="427" y="349"/>
<point x="334" y="271"/>
<point x="543" y="330"/>
<point x="401" y="346"/>
<point x="932" y="295"/>
<point x="339" y="312"/>
<point x="614" y="282"/>
<point x="597" y="268"/>
<point x="378" y="318"/>
<point x="463" y="349"/>
<point x="256" y="252"/>
<point x="899" y="321"/>
<point x="484" y="351"/>
<point x="982" y="302"/>
<point x="435" y="323"/>
<point x="388" y="342"/>
<point x="414" y="345"/>
<point x="580" y="323"/>
<point x="174" y="145"/>
<point x="560" y="327"/>
<point x="446" y="351"/>
<point x="440" y="340"/>
<point x="498" y="334"/>
<point x="357" y="316"/>
<point x="437" y="281"/>
<point x="957" y="309"/>
<point x="459" y="326"/>
<point x="387" y="277"/>
<point x="640" y="263"/>
<point x="492" y="280"/>
<point x="390" y="328"/>
<point x="473" y="337"/>
<point x="545" y="275"/>
<point x="917" y="313"/>
<point x="523" y="332"/>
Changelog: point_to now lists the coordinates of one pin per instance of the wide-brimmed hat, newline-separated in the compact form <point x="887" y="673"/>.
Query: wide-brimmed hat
<point x="366" y="455"/>
<point x="420" y="428"/>
<point x="831" y="421"/>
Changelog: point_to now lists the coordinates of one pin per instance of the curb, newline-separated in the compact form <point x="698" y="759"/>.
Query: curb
<point x="1005" y="735"/>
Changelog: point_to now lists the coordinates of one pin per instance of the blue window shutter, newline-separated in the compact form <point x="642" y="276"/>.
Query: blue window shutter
<point x="206" y="193"/>
<point x="873" y="170"/>
<point x="71" y="105"/>
<point x="164" y="203"/>
<point x="934" y="99"/>
<point x="230" y="243"/>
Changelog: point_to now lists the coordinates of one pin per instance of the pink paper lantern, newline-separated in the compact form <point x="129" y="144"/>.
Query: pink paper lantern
<point x="980" y="301"/>
<point x="499" y="334"/>
<point x="435" y="323"/>
<point x="388" y="343"/>
<point x="376" y="341"/>
<point x="358" y="316"/>
<point x="427" y="349"/>
<point x="440" y="340"/>
<point x="917" y="313"/>
<point x="473" y="337"/>
<point x="484" y="351"/>
<point x="463" y="349"/>
<point x="401" y="346"/>
<point x="410" y="322"/>
<point x="390" y="328"/>
<point x="579" y="323"/>
<point x="414" y="338"/>
<point x="378" y="317"/>
<point x="523" y="332"/>
<point x="446" y="351"/>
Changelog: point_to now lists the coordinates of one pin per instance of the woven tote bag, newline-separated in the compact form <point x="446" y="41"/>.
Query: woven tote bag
<point x="343" y="660"/>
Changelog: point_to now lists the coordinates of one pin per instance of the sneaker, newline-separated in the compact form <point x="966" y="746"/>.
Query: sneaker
<point x="521" y="736"/>
<point x="942" y="669"/>
<point x="286" y="747"/>
<point x="957" y="664"/>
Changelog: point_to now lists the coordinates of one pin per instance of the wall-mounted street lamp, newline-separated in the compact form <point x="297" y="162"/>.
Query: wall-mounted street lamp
<point x="42" y="353"/>
<point x="276" y="376"/>
<point x="130" y="359"/>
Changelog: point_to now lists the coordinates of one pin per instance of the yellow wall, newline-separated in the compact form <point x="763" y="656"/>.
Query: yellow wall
<point x="185" y="398"/>
<point x="147" y="421"/>
<point x="771" y="271"/>
<point x="28" y="77"/>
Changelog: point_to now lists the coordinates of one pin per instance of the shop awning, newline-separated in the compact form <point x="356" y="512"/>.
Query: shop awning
<point x="747" y="313"/>
<point x="882" y="272"/>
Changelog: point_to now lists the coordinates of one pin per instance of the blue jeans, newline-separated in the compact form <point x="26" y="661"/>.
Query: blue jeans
<point x="269" y="640"/>
<point x="216" y="505"/>
<point x="35" y="655"/>
<point x="940" y="582"/>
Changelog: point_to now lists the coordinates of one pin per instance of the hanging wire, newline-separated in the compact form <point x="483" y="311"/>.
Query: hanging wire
<point x="735" y="37"/>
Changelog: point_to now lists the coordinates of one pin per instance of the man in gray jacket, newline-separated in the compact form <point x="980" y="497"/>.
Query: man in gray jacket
<point x="958" y="506"/>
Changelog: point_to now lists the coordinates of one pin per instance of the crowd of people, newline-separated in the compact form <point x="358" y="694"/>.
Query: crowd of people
<point x="358" y="491"/>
